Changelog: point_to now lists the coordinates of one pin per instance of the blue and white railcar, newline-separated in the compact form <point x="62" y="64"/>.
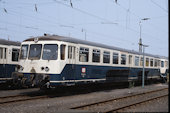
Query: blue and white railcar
<point x="9" y="52"/>
<point x="55" y="60"/>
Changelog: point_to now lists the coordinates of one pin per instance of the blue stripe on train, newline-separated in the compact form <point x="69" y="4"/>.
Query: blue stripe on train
<point x="74" y="72"/>
<point x="6" y="70"/>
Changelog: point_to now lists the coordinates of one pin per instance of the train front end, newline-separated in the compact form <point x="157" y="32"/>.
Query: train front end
<point x="39" y="59"/>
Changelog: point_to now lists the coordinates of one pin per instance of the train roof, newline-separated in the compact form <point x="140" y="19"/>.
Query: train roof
<point x="8" y="42"/>
<point x="78" y="41"/>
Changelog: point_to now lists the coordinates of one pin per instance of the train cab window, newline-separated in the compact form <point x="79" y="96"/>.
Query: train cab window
<point x="84" y="54"/>
<point x="62" y="51"/>
<point x="151" y="62"/>
<point x="96" y="55"/>
<point x="136" y="61"/>
<point x="15" y="54"/>
<point x="162" y="63"/>
<point x="115" y="58"/>
<point x="1" y="53"/>
<point x="50" y="52"/>
<point x="155" y="63"/>
<point x="24" y="51"/>
<point x="147" y="62"/>
<point x="141" y="61"/>
<point x="35" y="51"/>
<point x="106" y="57"/>
<point x="123" y="59"/>
<point x="130" y="59"/>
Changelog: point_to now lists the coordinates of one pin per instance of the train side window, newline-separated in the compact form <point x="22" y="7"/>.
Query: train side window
<point x="141" y="61"/>
<point x="24" y="52"/>
<point x="162" y="63"/>
<point x="62" y="51"/>
<point x="70" y="52"/>
<point x="1" y="53"/>
<point x="136" y="61"/>
<point x="130" y="59"/>
<point x="123" y="59"/>
<point x="166" y="63"/>
<point x="84" y="54"/>
<point x="147" y="62"/>
<point x="151" y="62"/>
<point x="158" y="63"/>
<point x="5" y="53"/>
<point x="15" y="54"/>
<point x="115" y="58"/>
<point x="106" y="57"/>
<point x="155" y="62"/>
<point x="96" y="55"/>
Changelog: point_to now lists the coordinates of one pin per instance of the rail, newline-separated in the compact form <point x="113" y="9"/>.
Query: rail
<point x="96" y="105"/>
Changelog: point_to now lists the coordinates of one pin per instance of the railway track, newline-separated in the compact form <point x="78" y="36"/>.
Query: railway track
<point x="122" y="103"/>
<point x="19" y="98"/>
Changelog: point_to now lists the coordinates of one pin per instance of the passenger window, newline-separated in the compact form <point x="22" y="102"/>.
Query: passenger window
<point x="106" y="57"/>
<point x="115" y="58"/>
<point x="1" y="53"/>
<point x="151" y="62"/>
<point x="96" y="55"/>
<point x="62" y="51"/>
<point x="166" y="63"/>
<point x="158" y="63"/>
<point x="147" y="62"/>
<point x="162" y="63"/>
<point x="6" y="53"/>
<point x="123" y="59"/>
<point x="15" y="54"/>
<point x="50" y="52"/>
<point x="155" y="62"/>
<point x="130" y="59"/>
<point x="141" y="61"/>
<point x="70" y="52"/>
<point x="136" y="61"/>
<point x="84" y="54"/>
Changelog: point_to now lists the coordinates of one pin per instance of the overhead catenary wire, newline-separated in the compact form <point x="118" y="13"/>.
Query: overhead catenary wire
<point x="105" y="20"/>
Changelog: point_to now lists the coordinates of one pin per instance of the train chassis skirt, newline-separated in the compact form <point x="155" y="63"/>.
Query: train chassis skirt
<point x="32" y="80"/>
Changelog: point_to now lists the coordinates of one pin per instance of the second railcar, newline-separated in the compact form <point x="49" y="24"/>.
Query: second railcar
<point x="9" y="52"/>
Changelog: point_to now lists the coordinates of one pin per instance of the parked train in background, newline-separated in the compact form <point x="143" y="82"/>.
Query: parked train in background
<point x="9" y="52"/>
<point x="54" y="60"/>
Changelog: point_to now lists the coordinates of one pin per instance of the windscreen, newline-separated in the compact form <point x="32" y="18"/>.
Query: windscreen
<point x="35" y="51"/>
<point x="24" y="51"/>
<point x="50" y="52"/>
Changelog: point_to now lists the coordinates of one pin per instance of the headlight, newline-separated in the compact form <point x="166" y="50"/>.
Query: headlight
<point x="42" y="68"/>
<point x="47" y="69"/>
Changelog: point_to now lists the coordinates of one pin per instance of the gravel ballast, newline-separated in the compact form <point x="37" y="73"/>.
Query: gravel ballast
<point x="63" y="103"/>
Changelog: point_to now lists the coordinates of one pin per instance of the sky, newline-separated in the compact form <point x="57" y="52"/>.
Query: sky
<point x="111" y="22"/>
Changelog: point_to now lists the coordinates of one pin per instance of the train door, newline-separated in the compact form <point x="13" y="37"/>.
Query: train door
<point x="162" y="67"/>
<point x="72" y="60"/>
<point x="3" y="61"/>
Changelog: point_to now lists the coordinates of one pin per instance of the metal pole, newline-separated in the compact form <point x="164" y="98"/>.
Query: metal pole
<point x="85" y="35"/>
<point x="143" y="74"/>
<point x="140" y="40"/>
